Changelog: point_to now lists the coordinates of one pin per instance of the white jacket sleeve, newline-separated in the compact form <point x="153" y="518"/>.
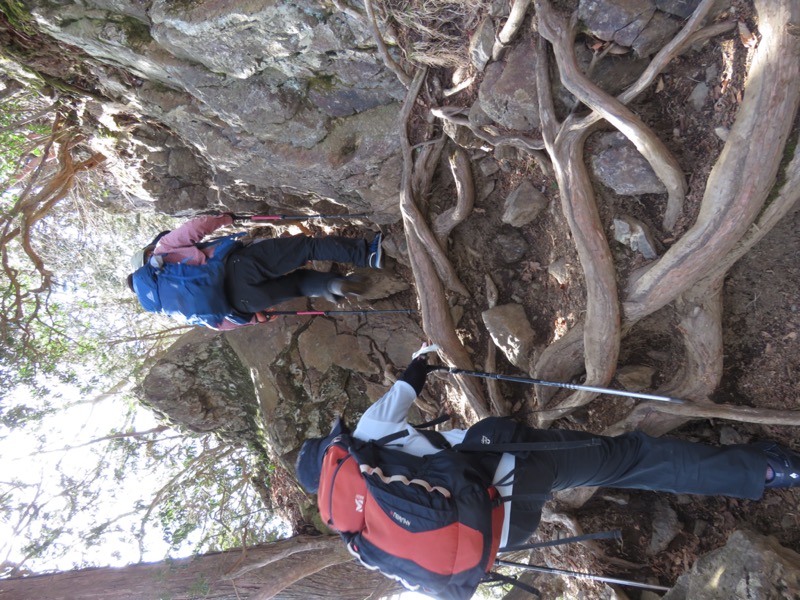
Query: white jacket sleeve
<point x="391" y="410"/>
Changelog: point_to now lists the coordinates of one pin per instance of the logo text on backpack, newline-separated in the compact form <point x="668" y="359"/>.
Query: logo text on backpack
<point x="485" y="440"/>
<point x="401" y="519"/>
<point x="359" y="503"/>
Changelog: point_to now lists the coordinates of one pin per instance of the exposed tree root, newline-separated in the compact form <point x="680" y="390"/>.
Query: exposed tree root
<point x="292" y="571"/>
<point x="741" y="181"/>
<point x="426" y="161"/>
<point x="601" y="332"/>
<point x="529" y="145"/>
<point x="568" y="348"/>
<point x="454" y="114"/>
<point x="690" y="274"/>
<point x="436" y="319"/>
<point x="382" y="49"/>
<point x="465" y="197"/>
<point x="649" y="412"/>
<point x="420" y="177"/>
<point x="560" y="361"/>
<point x="701" y="329"/>
<point x="574" y="529"/>
<point x="734" y="195"/>
<point x="283" y="549"/>
<point x="499" y="405"/>
<point x="561" y="35"/>
<point x="509" y="30"/>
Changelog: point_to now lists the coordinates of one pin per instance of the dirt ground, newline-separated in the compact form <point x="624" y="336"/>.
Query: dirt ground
<point x="761" y="318"/>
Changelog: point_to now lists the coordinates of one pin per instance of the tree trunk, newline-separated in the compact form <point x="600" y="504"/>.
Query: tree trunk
<point x="232" y="575"/>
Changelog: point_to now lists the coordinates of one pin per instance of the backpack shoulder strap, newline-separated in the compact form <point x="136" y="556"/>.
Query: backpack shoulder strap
<point x="223" y="243"/>
<point x="433" y="422"/>
<point x="388" y="439"/>
<point x="436" y="439"/>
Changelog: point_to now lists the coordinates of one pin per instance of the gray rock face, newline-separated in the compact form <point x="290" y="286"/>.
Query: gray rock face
<point x="511" y="332"/>
<point x="619" y="20"/>
<point x="635" y="378"/>
<point x="265" y="96"/>
<point x="524" y="204"/>
<point x="699" y="96"/>
<point x="660" y="29"/>
<point x="748" y="566"/>
<point x="612" y="74"/>
<point x="618" y="164"/>
<point x="679" y="8"/>
<point x="665" y="527"/>
<point x="508" y="91"/>
<point x="481" y="43"/>
<point x="203" y="385"/>
<point x="272" y="385"/>
<point x="511" y="246"/>
<point x="644" y="26"/>
<point x="635" y="234"/>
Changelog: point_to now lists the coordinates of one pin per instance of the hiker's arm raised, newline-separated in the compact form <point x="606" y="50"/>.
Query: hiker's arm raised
<point x="415" y="373"/>
<point x="392" y="407"/>
<point x="182" y="240"/>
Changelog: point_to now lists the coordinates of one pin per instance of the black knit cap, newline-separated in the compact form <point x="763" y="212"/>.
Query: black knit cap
<point x="309" y="461"/>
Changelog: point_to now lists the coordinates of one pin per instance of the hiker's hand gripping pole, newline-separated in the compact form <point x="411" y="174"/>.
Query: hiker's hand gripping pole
<point x="568" y="386"/>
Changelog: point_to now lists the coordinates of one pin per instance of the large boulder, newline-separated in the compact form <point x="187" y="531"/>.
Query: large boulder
<point x="256" y="97"/>
<point x="270" y="386"/>
<point x="202" y="385"/>
<point x="748" y="566"/>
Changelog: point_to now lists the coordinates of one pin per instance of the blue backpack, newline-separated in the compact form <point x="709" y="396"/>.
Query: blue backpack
<point x="192" y="294"/>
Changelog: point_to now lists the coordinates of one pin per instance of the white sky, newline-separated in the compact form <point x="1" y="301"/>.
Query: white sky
<point x="73" y="427"/>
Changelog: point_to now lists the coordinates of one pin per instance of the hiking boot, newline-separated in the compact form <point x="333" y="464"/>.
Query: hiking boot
<point x="785" y="465"/>
<point x="348" y="286"/>
<point x="375" y="252"/>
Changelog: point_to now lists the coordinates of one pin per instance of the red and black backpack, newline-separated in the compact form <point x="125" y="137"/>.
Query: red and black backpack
<point x="432" y="523"/>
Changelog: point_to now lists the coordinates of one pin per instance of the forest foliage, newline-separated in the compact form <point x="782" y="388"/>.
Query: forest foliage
<point x="92" y="478"/>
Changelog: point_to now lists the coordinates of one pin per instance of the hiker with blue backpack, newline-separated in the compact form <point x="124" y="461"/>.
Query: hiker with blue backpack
<point x="432" y="509"/>
<point x="225" y="283"/>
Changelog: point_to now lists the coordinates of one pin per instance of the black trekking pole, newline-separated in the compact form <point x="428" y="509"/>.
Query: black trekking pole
<point x="540" y="569"/>
<point x="568" y="386"/>
<point x="296" y="217"/>
<point x="269" y="313"/>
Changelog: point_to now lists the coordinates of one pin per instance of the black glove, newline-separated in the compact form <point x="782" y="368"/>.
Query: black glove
<point x="415" y="373"/>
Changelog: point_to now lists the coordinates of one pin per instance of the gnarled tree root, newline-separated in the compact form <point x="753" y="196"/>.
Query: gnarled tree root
<point x="574" y="529"/>
<point x="436" y="319"/>
<point x="465" y="197"/>
<point x="601" y="332"/>
<point x="562" y="37"/>
<point x="510" y="28"/>
<point x="738" y="185"/>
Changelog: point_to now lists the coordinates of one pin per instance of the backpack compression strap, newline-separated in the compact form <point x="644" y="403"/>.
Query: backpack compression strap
<point x="514" y="447"/>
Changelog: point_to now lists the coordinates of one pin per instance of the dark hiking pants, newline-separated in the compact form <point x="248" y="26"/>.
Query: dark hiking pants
<point x="268" y="272"/>
<point x="633" y="461"/>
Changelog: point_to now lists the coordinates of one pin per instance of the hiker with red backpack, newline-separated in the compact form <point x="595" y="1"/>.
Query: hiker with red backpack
<point x="226" y="283"/>
<point x="432" y="509"/>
